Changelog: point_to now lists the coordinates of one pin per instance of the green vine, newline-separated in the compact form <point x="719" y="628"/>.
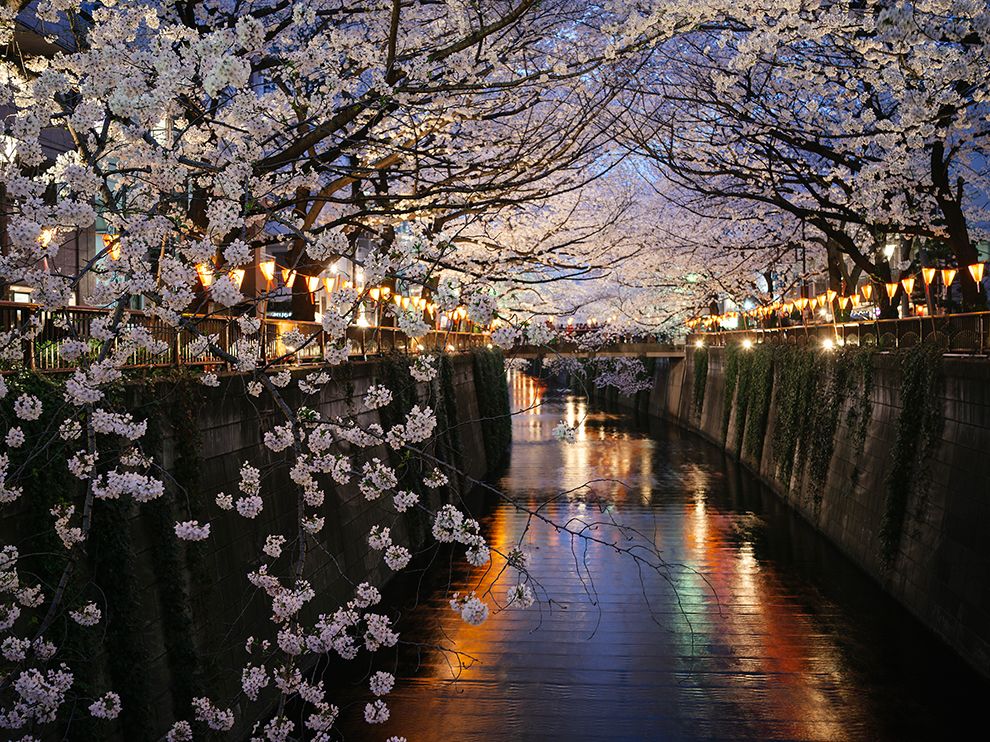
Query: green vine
<point x="797" y="384"/>
<point x="919" y="430"/>
<point x="759" y="386"/>
<point x="700" y="357"/>
<point x="493" y="405"/>
<point x="732" y="361"/>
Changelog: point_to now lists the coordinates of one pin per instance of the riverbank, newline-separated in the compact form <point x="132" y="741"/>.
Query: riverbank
<point x="884" y="453"/>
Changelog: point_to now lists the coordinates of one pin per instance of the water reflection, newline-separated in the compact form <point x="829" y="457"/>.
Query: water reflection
<point x="756" y="629"/>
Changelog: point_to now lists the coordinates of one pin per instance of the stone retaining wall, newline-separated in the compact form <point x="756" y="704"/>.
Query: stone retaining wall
<point x="941" y="568"/>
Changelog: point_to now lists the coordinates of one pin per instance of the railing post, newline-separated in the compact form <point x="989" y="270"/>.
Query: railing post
<point x="29" y="348"/>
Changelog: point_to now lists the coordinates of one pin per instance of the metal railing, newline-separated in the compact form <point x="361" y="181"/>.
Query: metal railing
<point x="43" y="350"/>
<point x="955" y="333"/>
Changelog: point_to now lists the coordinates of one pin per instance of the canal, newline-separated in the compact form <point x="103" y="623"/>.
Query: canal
<point x="756" y="628"/>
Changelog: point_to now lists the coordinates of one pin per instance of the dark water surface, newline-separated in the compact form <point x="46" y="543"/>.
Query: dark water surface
<point x="764" y="632"/>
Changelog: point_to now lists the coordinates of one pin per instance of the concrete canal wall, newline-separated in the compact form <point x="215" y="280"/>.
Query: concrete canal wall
<point x="887" y="454"/>
<point x="177" y="614"/>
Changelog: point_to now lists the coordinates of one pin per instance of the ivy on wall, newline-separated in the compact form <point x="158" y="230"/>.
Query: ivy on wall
<point x="493" y="405"/>
<point x="919" y="430"/>
<point x="759" y="389"/>
<point x="176" y="399"/>
<point x="809" y="389"/>
<point x="732" y="355"/>
<point x="700" y="381"/>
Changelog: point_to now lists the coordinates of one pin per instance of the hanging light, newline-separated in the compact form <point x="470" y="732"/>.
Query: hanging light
<point x="843" y="302"/>
<point x="45" y="236"/>
<point x="908" y="284"/>
<point x="329" y="283"/>
<point x="112" y="243"/>
<point x="813" y="302"/>
<point x="205" y="272"/>
<point x="788" y="307"/>
<point x="385" y="292"/>
<point x="397" y="299"/>
<point x="288" y="277"/>
<point x="867" y="289"/>
<point x="891" y="289"/>
<point x="267" y="268"/>
<point x="855" y="300"/>
<point x="237" y="277"/>
<point x="801" y="303"/>
<point x="928" y="275"/>
<point x="949" y="275"/>
<point x="375" y="293"/>
<point x="830" y="294"/>
<point x="976" y="271"/>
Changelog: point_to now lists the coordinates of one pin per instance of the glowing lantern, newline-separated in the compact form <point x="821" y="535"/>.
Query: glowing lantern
<point x="374" y="293"/>
<point x="112" y="243"/>
<point x="843" y="302"/>
<point x="312" y="283"/>
<point x="237" y="277"/>
<point x="288" y="277"/>
<point x="948" y="275"/>
<point x="867" y="289"/>
<point x="928" y="275"/>
<point x="267" y="268"/>
<point x="45" y="236"/>
<point x="976" y="271"/>
<point x="908" y="284"/>
<point x="855" y="300"/>
<point x="801" y="303"/>
<point x="830" y="295"/>
<point x="328" y="284"/>
<point x="891" y="289"/>
<point x="397" y="299"/>
<point x="385" y="292"/>
<point x="205" y="275"/>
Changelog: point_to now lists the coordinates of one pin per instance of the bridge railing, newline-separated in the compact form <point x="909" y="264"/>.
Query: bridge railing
<point x="955" y="333"/>
<point x="43" y="351"/>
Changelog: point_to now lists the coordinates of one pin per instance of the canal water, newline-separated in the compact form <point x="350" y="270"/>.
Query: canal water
<point x="751" y="627"/>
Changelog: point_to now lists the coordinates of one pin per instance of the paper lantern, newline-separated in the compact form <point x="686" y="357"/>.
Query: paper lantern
<point x="267" y="268"/>
<point x="908" y="284"/>
<point x="867" y="289"/>
<point x="948" y="275"/>
<point x="928" y="275"/>
<point x="891" y="289"/>
<point x="205" y="274"/>
<point x="976" y="271"/>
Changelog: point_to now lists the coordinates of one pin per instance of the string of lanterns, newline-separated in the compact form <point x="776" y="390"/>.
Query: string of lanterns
<point x="382" y="295"/>
<point x="830" y="296"/>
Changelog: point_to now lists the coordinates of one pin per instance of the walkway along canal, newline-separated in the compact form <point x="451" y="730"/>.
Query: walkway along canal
<point x="765" y="631"/>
